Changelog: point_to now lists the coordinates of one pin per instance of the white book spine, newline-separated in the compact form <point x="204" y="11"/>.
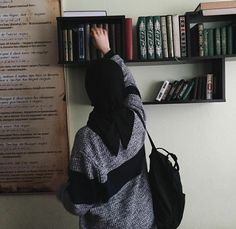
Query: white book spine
<point x="162" y="90"/>
<point x="209" y="86"/>
<point x="176" y="35"/>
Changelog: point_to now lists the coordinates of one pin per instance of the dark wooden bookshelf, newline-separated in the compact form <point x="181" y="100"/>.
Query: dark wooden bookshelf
<point x="197" y="17"/>
<point x="72" y="23"/>
<point x="215" y="65"/>
<point x="211" y="64"/>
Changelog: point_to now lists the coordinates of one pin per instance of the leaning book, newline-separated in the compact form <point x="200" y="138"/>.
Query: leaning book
<point x="162" y="90"/>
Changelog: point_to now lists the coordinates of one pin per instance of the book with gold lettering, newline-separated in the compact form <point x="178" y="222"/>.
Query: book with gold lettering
<point x="142" y="38"/>
<point x="150" y="38"/>
<point x="157" y="37"/>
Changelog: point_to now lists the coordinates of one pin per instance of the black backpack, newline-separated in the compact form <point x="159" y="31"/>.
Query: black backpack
<point x="167" y="194"/>
<point x="166" y="187"/>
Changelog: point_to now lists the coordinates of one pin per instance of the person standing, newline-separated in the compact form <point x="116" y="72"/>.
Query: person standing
<point x="108" y="182"/>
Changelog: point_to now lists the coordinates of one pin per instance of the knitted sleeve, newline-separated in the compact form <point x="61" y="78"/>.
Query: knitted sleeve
<point x="133" y="99"/>
<point x="81" y="191"/>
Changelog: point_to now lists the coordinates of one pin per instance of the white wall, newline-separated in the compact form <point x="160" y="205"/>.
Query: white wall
<point x="202" y="135"/>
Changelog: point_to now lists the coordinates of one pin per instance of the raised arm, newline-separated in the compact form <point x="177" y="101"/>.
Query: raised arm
<point x="101" y="42"/>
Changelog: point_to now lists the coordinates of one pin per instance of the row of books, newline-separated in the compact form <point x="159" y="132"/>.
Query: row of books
<point x="161" y="37"/>
<point x="212" y="41"/>
<point x="197" y="88"/>
<point x="78" y="44"/>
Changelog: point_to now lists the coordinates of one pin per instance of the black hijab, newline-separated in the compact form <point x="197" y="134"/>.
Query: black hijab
<point x="110" y="119"/>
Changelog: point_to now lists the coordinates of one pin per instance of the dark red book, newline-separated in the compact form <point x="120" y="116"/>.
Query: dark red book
<point x="128" y="39"/>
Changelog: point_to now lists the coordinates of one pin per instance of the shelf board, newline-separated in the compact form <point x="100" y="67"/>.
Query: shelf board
<point x="164" y="61"/>
<point x="185" y="101"/>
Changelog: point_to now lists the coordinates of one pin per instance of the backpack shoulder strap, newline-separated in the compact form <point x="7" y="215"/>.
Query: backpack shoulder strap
<point x="150" y="139"/>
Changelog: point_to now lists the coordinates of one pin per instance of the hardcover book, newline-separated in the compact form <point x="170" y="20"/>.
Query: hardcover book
<point x="81" y="47"/>
<point x="142" y="38"/>
<point x="176" y="35"/>
<point x="205" y="42"/>
<point x="200" y="87"/>
<point x="217" y="41"/>
<point x="195" y="88"/>
<point x="204" y="87"/>
<point x="216" y="5"/>
<point x="211" y="42"/>
<point x="166" y="91"/>
<point x="209" y="86"/>
<point x="183" y="38"/>
<point x="172" y="90"/>
<point x="157" y="37"/>
<point x="87" y="42"/>
<point x="188" y="90"/>
<point x="222" y="11"/>
<point x="170" y="40"/>
<point x="164" y="37"/>
<point x="178" y="89"/>
<point x="150" y="38"/>
<point x="229" y="36"/>
<point x="183" y="90"/>
<point x="217" y="8"/>
<point x="162" y="90"/>
<point x="128" y="39"/>
<point x="223" y="40"/>
<point x="196" y="34"/>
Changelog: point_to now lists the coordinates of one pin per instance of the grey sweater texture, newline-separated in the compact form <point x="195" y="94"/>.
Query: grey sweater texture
<point x="107" y="191"/>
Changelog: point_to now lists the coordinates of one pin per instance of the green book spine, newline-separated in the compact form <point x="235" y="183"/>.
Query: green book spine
<point x="157" y="36"/>
<point x="217" y="41"/>
<point x="205" y="42"/>
<point x="210" y="42"/>
<point x="181" y="94"/>
<point x="201" y="39"/>
<point x="142" y="38"/>
<point x="223" y="40"/>
<point x="150" y="38"/>
<point x="230" y="40"/>
<point x="188" y="90"/>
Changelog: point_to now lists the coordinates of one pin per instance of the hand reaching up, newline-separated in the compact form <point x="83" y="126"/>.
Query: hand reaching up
<point x="101" y="40"/>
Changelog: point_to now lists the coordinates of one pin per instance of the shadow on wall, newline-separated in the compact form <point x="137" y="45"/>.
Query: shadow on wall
<point x="76" y="92"/>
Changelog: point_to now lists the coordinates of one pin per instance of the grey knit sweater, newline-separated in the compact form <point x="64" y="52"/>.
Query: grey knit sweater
<point x="106" y="191"/>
